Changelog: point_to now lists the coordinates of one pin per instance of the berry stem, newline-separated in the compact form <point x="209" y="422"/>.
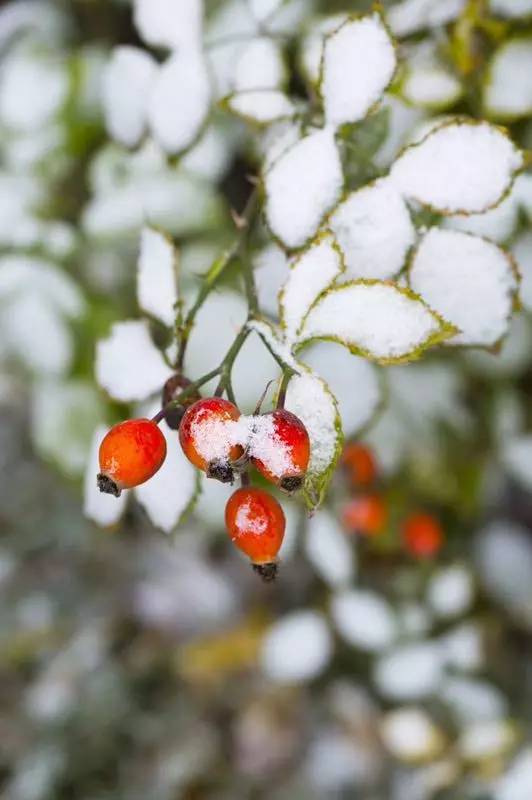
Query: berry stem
<point x="158" y="416"/>
<point x="244" y="478"/>
<point x="285" y="380"/>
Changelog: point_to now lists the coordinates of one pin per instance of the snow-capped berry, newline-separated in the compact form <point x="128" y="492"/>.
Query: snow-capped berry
<point x="359" y="463"/>
<point x="280" y="448"/>
<point x="422" y="534"/>
<point x="367" y="515"/>
<point x="255" y="522"/>
<point x="171" y="389"/>
<point x="210" y="437"/>
<point x="130" y="454"/>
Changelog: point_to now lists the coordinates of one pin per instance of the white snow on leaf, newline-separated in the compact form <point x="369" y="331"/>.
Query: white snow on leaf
<point x="180" y="100"/>
<point x="104" y="509"/>
<point x="167" y="23"/>
<point x="296" y="648"/>
<point x="309" y="398"/>
<point x="511" y="8"/>
<point x="410" y="735"/>
<point x="516" y="782"/>
<point x="262" y="106"/>
<point x="409" y="672"/>
<point x="309" y="275"/>
<point x="171" y="491"/>
<point x="364" y="619"/>
<point x="473" y="700"/>
<point x="271" y="270"/>
<point x="156" y="276"/>
<point x="411" y="16"/>
<point x="128" y="365"/>
<point x="354" y="382"/>
<point x="511" y="359"/>
<point x="275" y="342"/>
<point x="374" y="230"/>
<point x="517" y="458"/>
<point x="280" y="16"/>
<point x="20" y="274"/>
<point x="127" y="83"/>
<point x="302" y="186"/>
<point x="508" y="91"/>
<point x="431" y="85"/>
<point x="450" y="591"/>
<point x="358" y="63"/>
<point x="460" y="167"/>
<point x="311" y="48"/>
<point x="469" y="281"/>
<point x="260" y="66"/>
<point x="263" y="10"/>
<point x="32" y="89"/>
<point x="328" y="549"/>
<point x="497" y="224"/>
<point x="210" y="158"/>
<point x="522" y="252"/>
<point x="378" y="320"/>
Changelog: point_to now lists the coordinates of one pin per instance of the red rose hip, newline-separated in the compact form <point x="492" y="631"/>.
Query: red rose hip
<point x="130" y="454"/>
<point x="280" y="449"/>
<point x="209" y="437"/>
<point x="256" y="523"/>
<point x="423" y="535"/>
<point x="359" y="462"/>
<point x="366" y="515"/>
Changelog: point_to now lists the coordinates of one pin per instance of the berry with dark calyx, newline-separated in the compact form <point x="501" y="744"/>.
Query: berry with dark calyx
<point x="130" y="454"/>
<point x="280" y="449"/>
<point x="256" y="523"/>
<point x="366" y="515"/>
<point x="209" y="434"/>
<point x="422" y="535"/>
<point x="171" y="389"/>
<point x="359" y="463"/>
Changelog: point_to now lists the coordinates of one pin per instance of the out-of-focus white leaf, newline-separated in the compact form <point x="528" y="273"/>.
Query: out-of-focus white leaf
<point x="411" y="16"/>
<point x="516" y="782"/>
<point x="473" y="700"/>
<point x="211" y="156"/>
<point x="469" y="281"/>
<point x="482" y="741"/>
<point x="504" y="562"/>
<point x="409" y="672"/>
<point x="358" y="64"/>
<point x="311" y="50"/>
<point x="180" y="100"/>
<point x="271" y="271"/>
<point x="128" y="365"/>
<point x="513" y="357"/>
<point x="497" y="224"/>
<point x="261" y="106"/>
<point x="374" y="230"/>
<point x="431" y="86"/>
<point x="364" y="620"/>
<point x="480" y="158"/>
<point x="32" y="89"/>
<point x="450" y="591"/>
<point x="302" y="185"/>
<point x="280" y="16"/>
<point x="23" y="274"/>
<point x="517" y="458"/>
<point x="328" y="549"/>
<point x="127" y="83"/>
<point x="260" y="66"/>
<point x="508" y="91"/>
<point x="167" y="23"/>
<point x="410" y="735"/>
<point x="462" y="647"/>
<point x="104" y="509"/>
<point x="296" y="648"/>
<point x="522" y="252"/>
<point x="510" y="9"/>
<point x="156" y="276"/>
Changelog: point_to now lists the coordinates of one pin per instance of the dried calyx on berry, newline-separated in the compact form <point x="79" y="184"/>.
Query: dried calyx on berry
<point x="256" y="523"/>
<point x="211" y="433"/>
<point x="280" y="449"/>
<point x="173" y="387"/>
<point x="130" y="454"/>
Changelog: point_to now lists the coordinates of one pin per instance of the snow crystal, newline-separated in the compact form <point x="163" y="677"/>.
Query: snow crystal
<point x="156" y="276"/>
<point x="364" y="619"/>
<point x="410" y="735"/>
<point x="409" y="672"/>
<point x="469" y="281"/>
<point x="296" y="648"/>
<point x="265" y="444"/>
<point x="461" y="167"/>
<point x="377" y="319"/>
<point x="522" y="251"/>
<point x="411" y="16"/>
<point x="127" y="82"/>
<point x="309" y="275"/>
<point x="302" y="185"/>
<point x="103" y="509"/>
<point x="167" y="23"/>
<point x="328" y="549"/>
<point x="128" y="365"/>
<point x="508" y="92"/>
<point x="358" y="64"/>
<point x="450" y="591"/>
<point x="214" y="436"/>
<point x="262" y="106"/>
<point x="374" y="230"/>
<point x="260" y="66"/>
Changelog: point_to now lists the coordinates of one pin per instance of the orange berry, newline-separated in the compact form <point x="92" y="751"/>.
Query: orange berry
<point x="422" y="535"/>
<point x="255" y="522"/>
<point x="208" y="436"/>
<point x="366" y="515"/>
<point x="130" y="454"/>
<point x="280" y="449"/>
<point x="359" y="461"/>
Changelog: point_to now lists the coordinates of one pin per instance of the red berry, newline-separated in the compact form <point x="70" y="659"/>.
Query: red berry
<point x="423" y="535"/>
<point x="130" y="454"/>
<point x="360" y="464"/>
<point x="209" y="437"/>
<point x="255" y="522"/>
<point x="366" y="515"/>
<point x="280" y="448"/>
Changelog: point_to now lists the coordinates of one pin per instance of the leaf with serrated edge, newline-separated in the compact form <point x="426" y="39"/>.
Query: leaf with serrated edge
<point x="156" y="276"/>
<point x="376" y="319"/>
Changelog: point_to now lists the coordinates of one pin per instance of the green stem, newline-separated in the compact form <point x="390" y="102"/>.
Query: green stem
<point x="285" y="380"/>
<point x="226" y="366"/>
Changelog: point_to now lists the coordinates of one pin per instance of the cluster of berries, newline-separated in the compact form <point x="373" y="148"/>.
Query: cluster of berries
<point x="220" y="441"/>
<point x="367" y="513"/>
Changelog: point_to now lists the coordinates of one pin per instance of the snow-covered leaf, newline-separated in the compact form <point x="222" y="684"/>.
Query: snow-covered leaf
<point x="410" y="735"/>
<point x="497" y="224"/>
<point x="374" y="230"/>
<point x="460" y="167"/>
<point x="127" y="83"/>
<point x="271" y="269"/>
<point x="310" y="274"/>
<point x="517" y="459"/>
<point x="462" y="647"/>
<point x="410" y="671"/>
<point x="508" y="91"/>
<point x="469" y="281"/>
<point x="296" y="648"/>
<point x="504" y="561"/>
<point x="261" y="106"/>
<point x="311" y="50"/>
<point x="104" y="509"/>
<point x="450" y="591"/>
<point x="511" y="9"/>
<point x="260" y="66"/>
<point x="328" y="549"/>
<point x="411" y="16"/>
<point x="378" y="320"/>
<point x="302" y="186"/>
<point x="487" y="740"/>
<point x="274" y="341"/>
<point x="180" y="100"/>
<point x="364" y="620"/>
<point x="167" y="23"/>
<point x="128" y="365"/>
<point x="431" y="86"/>
<point x="156" y="276"/>
<point x="473" y="700"/>
<point x="20" y="274"/>
<point x="358" y="64"/>
<point x="522" y="252"/>
<point x="309" y="398"/>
